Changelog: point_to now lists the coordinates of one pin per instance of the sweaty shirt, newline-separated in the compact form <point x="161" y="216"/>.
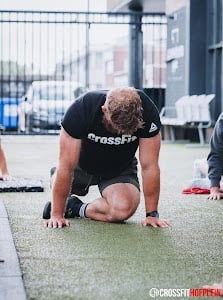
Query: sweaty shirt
<point x="103" y="153"/>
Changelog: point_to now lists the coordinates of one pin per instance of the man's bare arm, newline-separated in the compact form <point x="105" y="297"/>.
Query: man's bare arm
<point x="69" y="150"/>
<point x="149" y="159"/>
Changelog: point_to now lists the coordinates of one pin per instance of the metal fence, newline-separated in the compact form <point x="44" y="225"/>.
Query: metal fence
<point x="92" y="50"/>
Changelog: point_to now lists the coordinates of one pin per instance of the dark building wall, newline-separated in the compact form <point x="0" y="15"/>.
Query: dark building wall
<point x="176" y="56"/>
<point x="197" y="47"/>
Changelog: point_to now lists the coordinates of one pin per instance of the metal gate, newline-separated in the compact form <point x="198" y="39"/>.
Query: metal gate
<point x="91" y="50"/>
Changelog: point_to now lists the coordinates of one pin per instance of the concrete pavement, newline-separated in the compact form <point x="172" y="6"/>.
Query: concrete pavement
<point x="11" y="283"/>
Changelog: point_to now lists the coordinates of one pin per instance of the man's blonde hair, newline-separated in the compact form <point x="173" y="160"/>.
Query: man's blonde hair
<point x="125" y="110"/>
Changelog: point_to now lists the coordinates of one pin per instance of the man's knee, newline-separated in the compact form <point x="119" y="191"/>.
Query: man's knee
<point x="122" y="210"/>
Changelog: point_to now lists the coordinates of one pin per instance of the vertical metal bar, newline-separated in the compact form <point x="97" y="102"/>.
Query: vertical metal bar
<point x="63" y="48"/>
<point x="55" y="45"/>
<point x="87" y="48"/>
<point x="17" y="69"/>
<point x="32" y="50"/>
<point x="40" y="45"/>
<point x="77" y="60"/>
<point x="153" y="49"/>
<point x="135" y="51"/>
<point x="7" y="120"/>
<point x="70" y="55"/>
<point x="25" y="57"/>
<point x="48" y="47"/>
<point x="25" y="45"/>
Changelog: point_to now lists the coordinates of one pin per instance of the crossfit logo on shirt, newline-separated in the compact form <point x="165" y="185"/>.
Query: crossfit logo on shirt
<point x="124" y="139"/>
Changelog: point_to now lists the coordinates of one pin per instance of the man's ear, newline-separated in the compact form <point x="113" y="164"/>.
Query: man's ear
<point x="103" y="108"/>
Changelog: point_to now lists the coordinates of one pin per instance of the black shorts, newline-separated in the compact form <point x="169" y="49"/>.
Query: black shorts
<point x="83" y="180"/>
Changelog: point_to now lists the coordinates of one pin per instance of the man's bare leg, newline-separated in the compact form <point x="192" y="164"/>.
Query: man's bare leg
<point x="119" y="202"/>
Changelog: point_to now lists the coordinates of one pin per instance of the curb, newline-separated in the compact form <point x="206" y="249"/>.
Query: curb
<point x="11" y="283"/>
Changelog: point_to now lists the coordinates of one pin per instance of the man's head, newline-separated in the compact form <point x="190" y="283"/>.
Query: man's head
<point x="123" y="111"/>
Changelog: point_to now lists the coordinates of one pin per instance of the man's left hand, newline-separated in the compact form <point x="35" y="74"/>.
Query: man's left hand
<point x="155" y="222"/>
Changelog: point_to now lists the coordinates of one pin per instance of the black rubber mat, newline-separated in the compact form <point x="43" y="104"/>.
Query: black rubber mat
<point x="21" y="185"/>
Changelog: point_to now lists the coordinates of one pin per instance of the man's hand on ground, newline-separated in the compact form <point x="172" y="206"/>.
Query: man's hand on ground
<point x="215" y="194"/>
<point x="57" y="222"/>
<point x="155" y="222"/>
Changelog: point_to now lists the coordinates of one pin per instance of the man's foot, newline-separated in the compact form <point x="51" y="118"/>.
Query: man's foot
<point x="47" y="210"/>
<point x="72" y="208"/>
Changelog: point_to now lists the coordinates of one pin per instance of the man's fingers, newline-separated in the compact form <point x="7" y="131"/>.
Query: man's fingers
<point x="144" y="223"/>
<point x="47" y="223"/>
<point x="57" y="224"/>
<point x="155" y="222"/>
<point x="164" y="223"/>
<point x="215" y="196"/>
<point x="67" y="223"/>
<point x="51" y="223"/>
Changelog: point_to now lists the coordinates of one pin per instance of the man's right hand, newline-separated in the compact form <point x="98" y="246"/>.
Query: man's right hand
<point x="57" y="222"/>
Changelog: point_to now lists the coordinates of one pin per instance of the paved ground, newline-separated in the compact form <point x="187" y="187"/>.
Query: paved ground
<point x="93" y="260"/>
<point x="11" y="283"/>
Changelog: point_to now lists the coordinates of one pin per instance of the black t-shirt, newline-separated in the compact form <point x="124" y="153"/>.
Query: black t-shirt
<point x="104" y="153"/>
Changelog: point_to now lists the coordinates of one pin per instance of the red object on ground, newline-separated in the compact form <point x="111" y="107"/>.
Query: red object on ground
<point x="1" y="260"/>
<point x="196" y="190"/>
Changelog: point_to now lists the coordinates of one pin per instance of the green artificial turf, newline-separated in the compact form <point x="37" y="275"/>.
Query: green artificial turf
<point x="95" y="260"/>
